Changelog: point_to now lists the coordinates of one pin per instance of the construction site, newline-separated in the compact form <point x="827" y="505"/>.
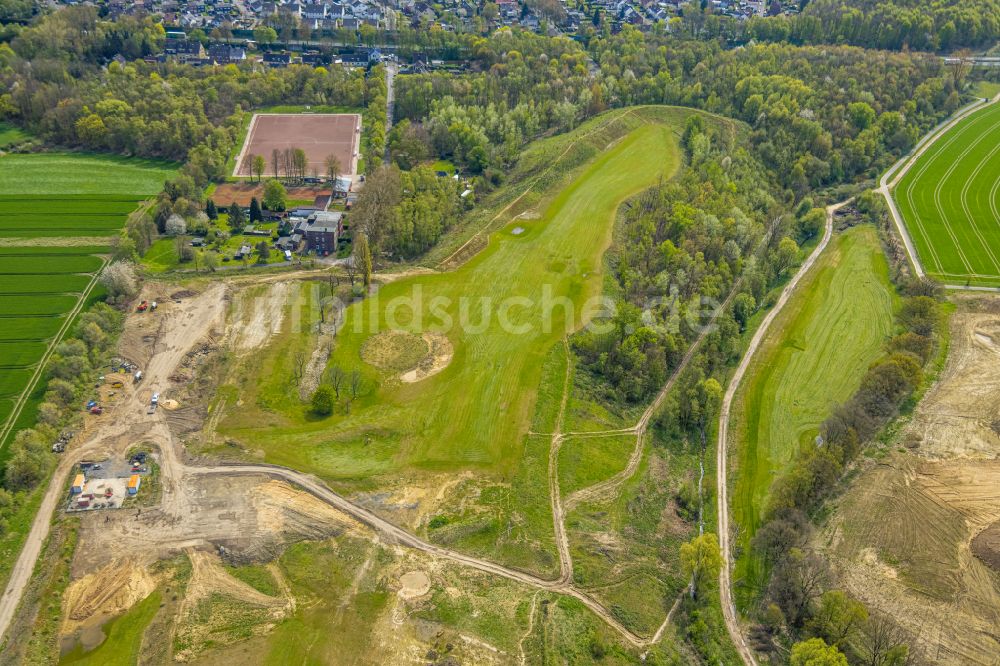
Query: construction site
<point x="915" y="536"/>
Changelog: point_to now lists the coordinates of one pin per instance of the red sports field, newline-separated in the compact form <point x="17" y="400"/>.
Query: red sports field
<point x="319" y="135"/>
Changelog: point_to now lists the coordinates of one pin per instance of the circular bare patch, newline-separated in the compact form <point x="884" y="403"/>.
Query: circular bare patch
<point x="439" y="353"/>
<point x="170" y="404"/>
<point x="394" y="350"/>
<point x="414" y="584"/>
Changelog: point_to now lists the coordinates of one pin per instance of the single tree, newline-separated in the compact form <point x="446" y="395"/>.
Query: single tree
<point x="322" y="401"/>
<point x="257" y="166"/>
<point x="274" y="195"/>
<point x="236" y="218"/>
<point x="814" y="652"/>
<point x="300" y="162"/>
<point x="210" y="261"/>
<point x="263" y="34"/>
<point x="120" y="281"/>
<point x="211" y="211"/>
<point x="837" y="619"/>
<point x="263" y="252"/>
<point x="335" y="377"/>
<point x="701" y="560"/>
<point x="363" y="258"/>
<point x="355" y="384"/>
<point x="275" y="162"/>
<point x="256" y="215"/>
<point x="332" y="165"/>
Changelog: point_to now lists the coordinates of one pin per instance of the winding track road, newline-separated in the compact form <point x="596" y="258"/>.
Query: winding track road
<point x="725" y="577"/>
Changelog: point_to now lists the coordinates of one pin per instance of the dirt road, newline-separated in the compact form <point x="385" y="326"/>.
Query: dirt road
<point x="181" y="332"/>
<point x="725" y="582"/>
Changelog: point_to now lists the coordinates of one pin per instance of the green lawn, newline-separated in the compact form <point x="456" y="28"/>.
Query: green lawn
<point x="986" y="89"/>
<point x="477" y="411"/>
<point x="950" y="200"/>
<point x="124" y="637"/>
<point x="82" y="173"/>
<point x="10" y="135"/>
<point x="816" y="352"/>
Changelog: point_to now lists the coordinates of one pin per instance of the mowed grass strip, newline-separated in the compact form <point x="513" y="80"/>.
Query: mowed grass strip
<point x="52" y="284"/>
<point x="950" y="201"/>
<point x="30" y="328"/>
<point x="814" y="358"/>
<point x="20" y="354"/>
<point x="477" y="411"/>
<point x="78" y="173"/>
<point x="34" y="305"/>
<point x="48" y="265"/>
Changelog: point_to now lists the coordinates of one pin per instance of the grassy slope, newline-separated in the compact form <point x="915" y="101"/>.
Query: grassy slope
<point x="950" y="199"/>
<point x="823" y="341"/>
<point x="457" y="419"/>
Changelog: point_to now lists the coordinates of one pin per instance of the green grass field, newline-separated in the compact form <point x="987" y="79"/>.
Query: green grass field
<point x="818" y="349"/>
<point x="55" y="196"/>
<point x="49" y="174"/>
<point x="950" y="201"/>
<point x="10" y="135"/>
<point x="477" y="411"/>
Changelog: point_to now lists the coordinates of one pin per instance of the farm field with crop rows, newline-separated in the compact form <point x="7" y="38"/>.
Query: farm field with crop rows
<point x="950" y="201"/>
<point x="57" y="197"/>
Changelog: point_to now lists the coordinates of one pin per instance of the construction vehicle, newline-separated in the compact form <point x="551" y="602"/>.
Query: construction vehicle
<point x="142" y="306"/>
<point x="117" y="384"/>
<point x="137" y="377"/>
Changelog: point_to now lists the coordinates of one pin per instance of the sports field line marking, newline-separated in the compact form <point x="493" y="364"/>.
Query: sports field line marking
<point x="940" y="187"/>
<point x="964" y="200"/>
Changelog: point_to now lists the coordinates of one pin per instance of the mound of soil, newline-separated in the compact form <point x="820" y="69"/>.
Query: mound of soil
<point x="394" y="350"/>
<point x="986" y="546"/>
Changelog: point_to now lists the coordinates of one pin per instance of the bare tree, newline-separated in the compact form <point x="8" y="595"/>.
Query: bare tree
<point x="300" y="365"/>
<point x="351" y="269"/>
<point x="275" y="161"/>
<point x="884" y="642"/>
<point x="335" y="378"/>
<point x="960" y="65"/>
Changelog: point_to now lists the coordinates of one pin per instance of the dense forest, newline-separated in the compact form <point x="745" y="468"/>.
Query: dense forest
<point x="922" y="25"/>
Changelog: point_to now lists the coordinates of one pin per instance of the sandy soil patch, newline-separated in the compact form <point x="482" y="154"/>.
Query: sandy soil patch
<point x="414" y="584"/>
<point x="257" y="317"/>
<point x="108" y="592"/>
<point x="286" y="510"/>
<point x="394" y="350"/>
<point x="917" y="532"/>
<point x="437" y="359"/>
<point x="956" y="417"/>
